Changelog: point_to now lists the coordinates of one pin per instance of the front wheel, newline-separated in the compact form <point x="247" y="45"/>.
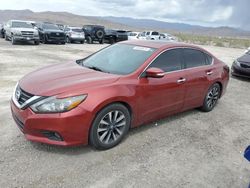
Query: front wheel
<point x="110" y="126"/>
<point x="211" y="98"/>
<point x="13" y="40"/>
<point x="89" y="40"/>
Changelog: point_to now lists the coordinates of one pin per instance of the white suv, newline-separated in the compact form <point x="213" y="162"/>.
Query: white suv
<point x="152" y="35"/>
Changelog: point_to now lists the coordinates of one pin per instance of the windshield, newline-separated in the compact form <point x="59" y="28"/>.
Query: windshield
<point x="155" y="33"/>
<point x="119" y="59"/>
<point x="50" y="26"/>
<point x="77" y="30"/>
<point x="21" y="25"/>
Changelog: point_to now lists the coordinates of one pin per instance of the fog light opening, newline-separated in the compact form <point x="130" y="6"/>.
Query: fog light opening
<point x="52" y="135"/>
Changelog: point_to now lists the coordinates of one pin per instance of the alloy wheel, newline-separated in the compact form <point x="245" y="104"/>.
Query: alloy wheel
<point x="111" y="127"/>
<point x="213" y="97"/>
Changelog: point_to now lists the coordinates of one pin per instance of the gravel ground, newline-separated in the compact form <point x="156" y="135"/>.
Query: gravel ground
<point x="191" y="149"/>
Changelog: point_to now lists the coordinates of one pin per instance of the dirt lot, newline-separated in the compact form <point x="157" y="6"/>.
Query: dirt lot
<point x="192" y="149"/>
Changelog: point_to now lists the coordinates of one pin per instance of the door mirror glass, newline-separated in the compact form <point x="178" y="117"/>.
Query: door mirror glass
<point x="154" y="73"/>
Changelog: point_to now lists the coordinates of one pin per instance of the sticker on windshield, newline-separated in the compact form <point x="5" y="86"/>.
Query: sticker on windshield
<point x="142" y="48"/>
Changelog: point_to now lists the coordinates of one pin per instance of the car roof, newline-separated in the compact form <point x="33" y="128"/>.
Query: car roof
<point x="158" y="44"/>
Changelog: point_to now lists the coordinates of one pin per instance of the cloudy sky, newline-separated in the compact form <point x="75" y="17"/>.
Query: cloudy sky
<point x="204" y="12"/>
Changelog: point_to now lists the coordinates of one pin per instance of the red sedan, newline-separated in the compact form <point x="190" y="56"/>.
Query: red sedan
<point x="98" y="99"/>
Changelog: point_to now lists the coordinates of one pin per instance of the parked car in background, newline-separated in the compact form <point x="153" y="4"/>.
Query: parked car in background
<point x="74" y="34"/>
<point x="97" y="99"/>
<point x="133" y="35"/>
<point x="168" y="37"/>
<point x="247" y="153"/>
<point x="50" y="33"/>
<point x="247" y="50"/>
<point x="241" y="66"/>
<point x="19" y="31"/>
<point x="61" y="26"/>
<point x="94" y="33"/>
<point x="142" y="36"/>
<point x="2" y="31"/>
<point x="152" y="35"/>
<point x="113" y="36"/>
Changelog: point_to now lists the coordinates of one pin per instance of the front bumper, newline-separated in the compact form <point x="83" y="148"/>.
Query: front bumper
<point x="239" y="71"/>
<point x="30" y="38"/>
<point x="71" y="128"/>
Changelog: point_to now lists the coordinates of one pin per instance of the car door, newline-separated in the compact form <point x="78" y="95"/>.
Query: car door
<point x="199" y="76"/>
<point x="162" y="96"/>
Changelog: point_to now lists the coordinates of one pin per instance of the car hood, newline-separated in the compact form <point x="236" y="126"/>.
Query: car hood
<point x="66" y="78"/>
<point x="24" y="29"/>
<point x="53" y="31"/>
<point x="245" y="58"/>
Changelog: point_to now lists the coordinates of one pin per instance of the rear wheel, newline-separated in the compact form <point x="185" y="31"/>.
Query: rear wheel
<point x="82" y="42"/>
<point x="110" y="126"/>
<point x="211" y="98"/>
<point x="101" y="41"/>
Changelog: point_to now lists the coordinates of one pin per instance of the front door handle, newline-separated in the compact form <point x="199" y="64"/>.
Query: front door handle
<point x="181" y="80"/>
<point x="209" y="72"/>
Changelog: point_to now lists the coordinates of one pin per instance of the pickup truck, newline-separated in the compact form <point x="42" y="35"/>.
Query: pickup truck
<point x="18" y="30"/>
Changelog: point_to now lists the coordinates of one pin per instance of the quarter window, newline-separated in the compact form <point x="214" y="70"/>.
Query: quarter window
<point x="194" y="58"/>
<point x="169" y="61"/>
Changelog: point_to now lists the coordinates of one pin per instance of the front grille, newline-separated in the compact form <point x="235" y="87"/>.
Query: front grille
<point x="22" y="96"/>
<point x="243" y="65"/>
<point x="56" y="35"/>
<point x="27" y="33"/>
<point x="18" y="122"/>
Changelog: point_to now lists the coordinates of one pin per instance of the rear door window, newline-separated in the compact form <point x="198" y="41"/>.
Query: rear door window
<point x="194" y="58"/>
<point x="169" y="61"/>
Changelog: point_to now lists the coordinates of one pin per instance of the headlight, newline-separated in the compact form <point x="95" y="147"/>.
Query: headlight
<point x="36" y="34"/>
<point x="236" y="62"/>
<point x="54" y="105"/>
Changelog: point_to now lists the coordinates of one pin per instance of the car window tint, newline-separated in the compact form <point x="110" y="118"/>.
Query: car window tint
<point x="193" y="58"/>
<point x="168" y="61"/>
<point x="209" y="59"/>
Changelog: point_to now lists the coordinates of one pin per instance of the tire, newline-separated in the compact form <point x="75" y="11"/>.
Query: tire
<point x="68" y="40"/>
<point x="63" y="43"/>
<point x="82" y="42"/>
<point x="36" y="42"/>
<point x="13" y="42"/>
<point x="89" y="40"/>
<point x="45" y="40"/>
<point x="6" y="37"/>
<point x="111" y="40"/>
<point x="105" y="133"/>
<point x="101" y="41"/>
<point x="211" y="98"/>
<point x="99" y="34"/>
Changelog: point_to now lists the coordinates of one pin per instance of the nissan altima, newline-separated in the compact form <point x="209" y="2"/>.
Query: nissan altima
<point x="97" y="99"/>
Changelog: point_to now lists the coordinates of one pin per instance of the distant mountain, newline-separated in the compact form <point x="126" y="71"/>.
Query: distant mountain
<point x="56" y="17"/>
<point x="120" y="23"/>
<point x="177" y="27"/>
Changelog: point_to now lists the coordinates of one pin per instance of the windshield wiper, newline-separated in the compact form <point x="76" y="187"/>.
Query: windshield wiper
<point x="96" y="68"/>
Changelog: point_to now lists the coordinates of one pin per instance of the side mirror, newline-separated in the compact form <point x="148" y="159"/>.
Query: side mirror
<point x="155" y="73"/>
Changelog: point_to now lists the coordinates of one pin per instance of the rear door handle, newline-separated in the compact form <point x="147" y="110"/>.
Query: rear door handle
<point x="181" y="80"/>
<point x="209" y="72"/>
